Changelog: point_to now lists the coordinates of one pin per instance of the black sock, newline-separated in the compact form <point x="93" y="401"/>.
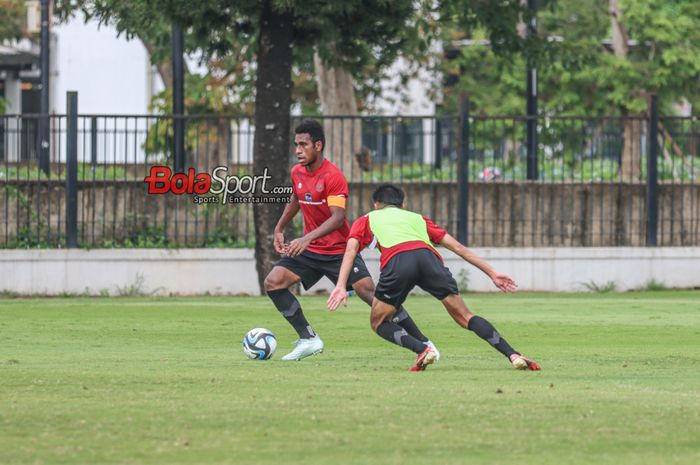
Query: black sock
<point x="403" y="319"/>
<point x="397" y="335"/>
<point x="289" y="307"/>
<point x="488" y="333"/>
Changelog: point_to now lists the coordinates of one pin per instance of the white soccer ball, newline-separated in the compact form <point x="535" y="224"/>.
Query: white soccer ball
<point x="259" y="344"/>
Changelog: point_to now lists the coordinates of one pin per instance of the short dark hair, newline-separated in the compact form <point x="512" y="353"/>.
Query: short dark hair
<point x="314" y="129"/>
<point x="388" y="194"/>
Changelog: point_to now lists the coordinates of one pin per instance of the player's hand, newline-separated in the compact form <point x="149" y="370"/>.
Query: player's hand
<point x="297" y="246"/>
<point x="278" y="242"/>
<point x="504" y="282"/>
<point x="338" y="296"/>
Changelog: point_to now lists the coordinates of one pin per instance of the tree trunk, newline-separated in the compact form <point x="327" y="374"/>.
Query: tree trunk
<point x="271" y="150"/>
<point x="164" y="67"/>
<point x="630" y="161"/>
<point x="211" y="143"/>
<point x="343" y="135"/>
<point x="619" y="33"/>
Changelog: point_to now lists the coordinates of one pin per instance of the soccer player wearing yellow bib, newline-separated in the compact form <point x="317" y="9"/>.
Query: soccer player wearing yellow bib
<point x="408" y="259"/>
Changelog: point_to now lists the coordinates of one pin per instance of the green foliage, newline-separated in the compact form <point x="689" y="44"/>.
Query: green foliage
<point x="223" y="234"/>
<point x="654" y="285"/>
<point x="27" y="237"/>
<point x="150" y="237"/>
<point x="496" y="21"/>
<point x="34" y="233"/>
<point x="225" y="238"/>
<point x="577" y="71"/>
<point x="203" y="98"/>
<point x="86" y="172"/>
<point x="600" y="288"/>
<point x="34" y="236"/>
<point x="138" y="236"/>
<point x="409" y="172"/>
<point x="25" y="171"/>
<point x="4" y="294"/>
<point x="595" y="168"/>
<point x="134" y="289"/>
<point x="12" y="14"/>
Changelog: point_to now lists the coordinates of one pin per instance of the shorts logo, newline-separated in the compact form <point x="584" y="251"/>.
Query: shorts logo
<point x="308" y="197"/>
<point x="387" y="296"/>
<point x="299" y="185"/>
<point x="355" y="270"/>
<point x="319" y="187"/>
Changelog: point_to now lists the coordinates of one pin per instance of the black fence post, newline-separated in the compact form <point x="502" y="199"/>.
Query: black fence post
<point x="652" y="174"/>
<point x="532" y="159"/>
<point x="43" y="139"/>
<point x="438" y="143"/>
<point x="93" y="144"/>
<point x="463" y="170"/>
<point x="72" y="170"/>
<point x="177" y="46"/>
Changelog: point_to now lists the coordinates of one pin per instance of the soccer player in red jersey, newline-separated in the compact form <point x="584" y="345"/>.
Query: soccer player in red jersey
<point x="408" y="259"/>
<point x="320" y="192"/>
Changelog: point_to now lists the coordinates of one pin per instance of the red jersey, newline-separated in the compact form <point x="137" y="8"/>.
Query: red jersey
<point x="316" y="192"/>
<point x="362" y="231"/>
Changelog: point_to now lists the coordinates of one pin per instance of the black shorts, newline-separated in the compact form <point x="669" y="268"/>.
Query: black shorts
<point x="419" y="267"/>
<point x="311" y="267"/>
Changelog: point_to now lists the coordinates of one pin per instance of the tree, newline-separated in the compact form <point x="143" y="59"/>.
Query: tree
<point x="11" y="15"/>
<point x="336" y="93"/>
<point x="631" y="146"/>
<point x="339" y="82"/>
<point x="604" y="59"/>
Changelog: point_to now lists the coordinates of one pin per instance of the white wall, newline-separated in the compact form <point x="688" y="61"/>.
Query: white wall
<point x="13" y="95"/>
<point x="112" y="75"/>
<point x="232" y="271"/>
<point x="417" y="93"/>
<point x="13" y="130"/>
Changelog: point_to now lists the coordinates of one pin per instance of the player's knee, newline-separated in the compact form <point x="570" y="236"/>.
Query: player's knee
<point x="375" y="321"/>
<point x="468" y="316"/>
<point x="273" y="281"/>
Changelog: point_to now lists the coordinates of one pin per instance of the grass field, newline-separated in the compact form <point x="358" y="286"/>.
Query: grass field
<point x="164" y="381"/>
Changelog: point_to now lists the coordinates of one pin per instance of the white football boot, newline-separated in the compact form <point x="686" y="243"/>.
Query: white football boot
<point x="305" y="347"/>
<point x="432" y="346"/>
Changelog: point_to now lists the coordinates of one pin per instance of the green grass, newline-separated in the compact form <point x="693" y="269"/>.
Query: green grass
<point x="164" y="381"/>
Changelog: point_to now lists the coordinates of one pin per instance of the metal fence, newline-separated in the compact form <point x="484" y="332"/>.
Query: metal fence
<point x="467" y="172"/>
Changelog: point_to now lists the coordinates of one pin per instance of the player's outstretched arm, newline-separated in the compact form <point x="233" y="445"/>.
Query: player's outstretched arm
<point x="290" y="211"/>
<point x="502" y="281"/>
<point x="339" y="295"/>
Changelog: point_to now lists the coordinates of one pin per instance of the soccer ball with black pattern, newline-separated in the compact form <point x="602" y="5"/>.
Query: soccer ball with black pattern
<point x="259" y="344"/>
